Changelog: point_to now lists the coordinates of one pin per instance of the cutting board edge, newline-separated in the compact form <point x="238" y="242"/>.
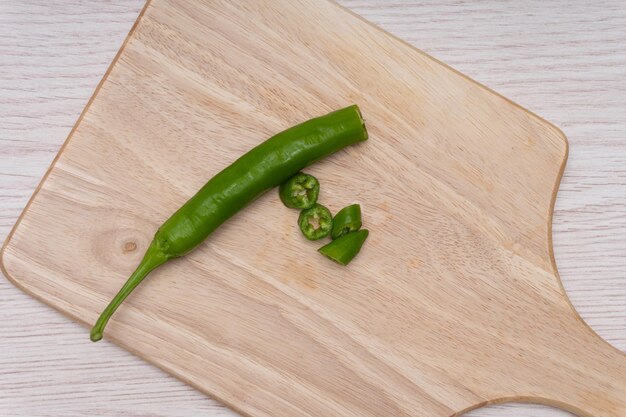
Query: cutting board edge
<point x="65" y="144"/>
<point x="557" y="130"/>
<point x="3" y="251"/>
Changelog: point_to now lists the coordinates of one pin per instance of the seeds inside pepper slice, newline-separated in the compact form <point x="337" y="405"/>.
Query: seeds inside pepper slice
<point x="315" y="222"/>
<point x="300" y="191"/>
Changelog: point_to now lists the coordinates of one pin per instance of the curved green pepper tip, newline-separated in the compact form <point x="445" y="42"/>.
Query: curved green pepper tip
<point x="95" y="335"/>
<point x="315" y="222"/>
<point x="343" y="249"/>
<point x="153" y="258"/>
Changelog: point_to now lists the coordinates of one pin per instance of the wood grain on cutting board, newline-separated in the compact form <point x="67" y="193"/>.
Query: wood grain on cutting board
<point x="455" y="290"/>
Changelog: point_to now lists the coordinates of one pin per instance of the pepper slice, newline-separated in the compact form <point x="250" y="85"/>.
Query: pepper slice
<point x="347" y="220"/>
<point x="300" y="191"/>
<point x="343" y="249"/>
<point x="315" y="222"/>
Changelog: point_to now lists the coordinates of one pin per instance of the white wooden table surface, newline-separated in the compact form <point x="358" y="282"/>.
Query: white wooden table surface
<point x="565" y="60"/>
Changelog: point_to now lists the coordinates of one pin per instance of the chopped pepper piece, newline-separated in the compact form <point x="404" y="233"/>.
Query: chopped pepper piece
<point x="315" y="222"/>
<point x="343" y="249"/>
<point x="347" y="220"/>
<point x="300" y="191"/>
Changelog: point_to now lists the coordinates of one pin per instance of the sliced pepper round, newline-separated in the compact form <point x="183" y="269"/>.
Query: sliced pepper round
<point x="343" y="249"/>
<point x="315" y="222"/>
<point x="300" y="191"/>
<point x="347" y="220"/>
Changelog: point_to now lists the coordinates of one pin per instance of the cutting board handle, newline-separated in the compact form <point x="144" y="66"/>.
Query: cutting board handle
<point x="592" y="381"/>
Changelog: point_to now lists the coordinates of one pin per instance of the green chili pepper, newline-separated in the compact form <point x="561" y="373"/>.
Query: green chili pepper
<point x="343" y="249"/>
<point x="315" y="222"/>
<point x="300" y="191"/>
<point x="347" y="220"/>
<point x="262" y="168"/>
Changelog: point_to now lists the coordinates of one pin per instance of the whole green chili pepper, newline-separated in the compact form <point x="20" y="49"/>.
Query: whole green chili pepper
<point x="262" y="168"/>
<point x="343" y="249"/>
<point x="300" y="191"/>
<point x="315" y="222"/>
<point x="347" y="220"/>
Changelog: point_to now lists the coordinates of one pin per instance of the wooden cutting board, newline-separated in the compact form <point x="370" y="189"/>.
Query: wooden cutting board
<point x="455" y="300"/>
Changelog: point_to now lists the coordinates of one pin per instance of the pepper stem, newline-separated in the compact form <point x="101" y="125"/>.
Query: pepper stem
<point x="152" y="259"/>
